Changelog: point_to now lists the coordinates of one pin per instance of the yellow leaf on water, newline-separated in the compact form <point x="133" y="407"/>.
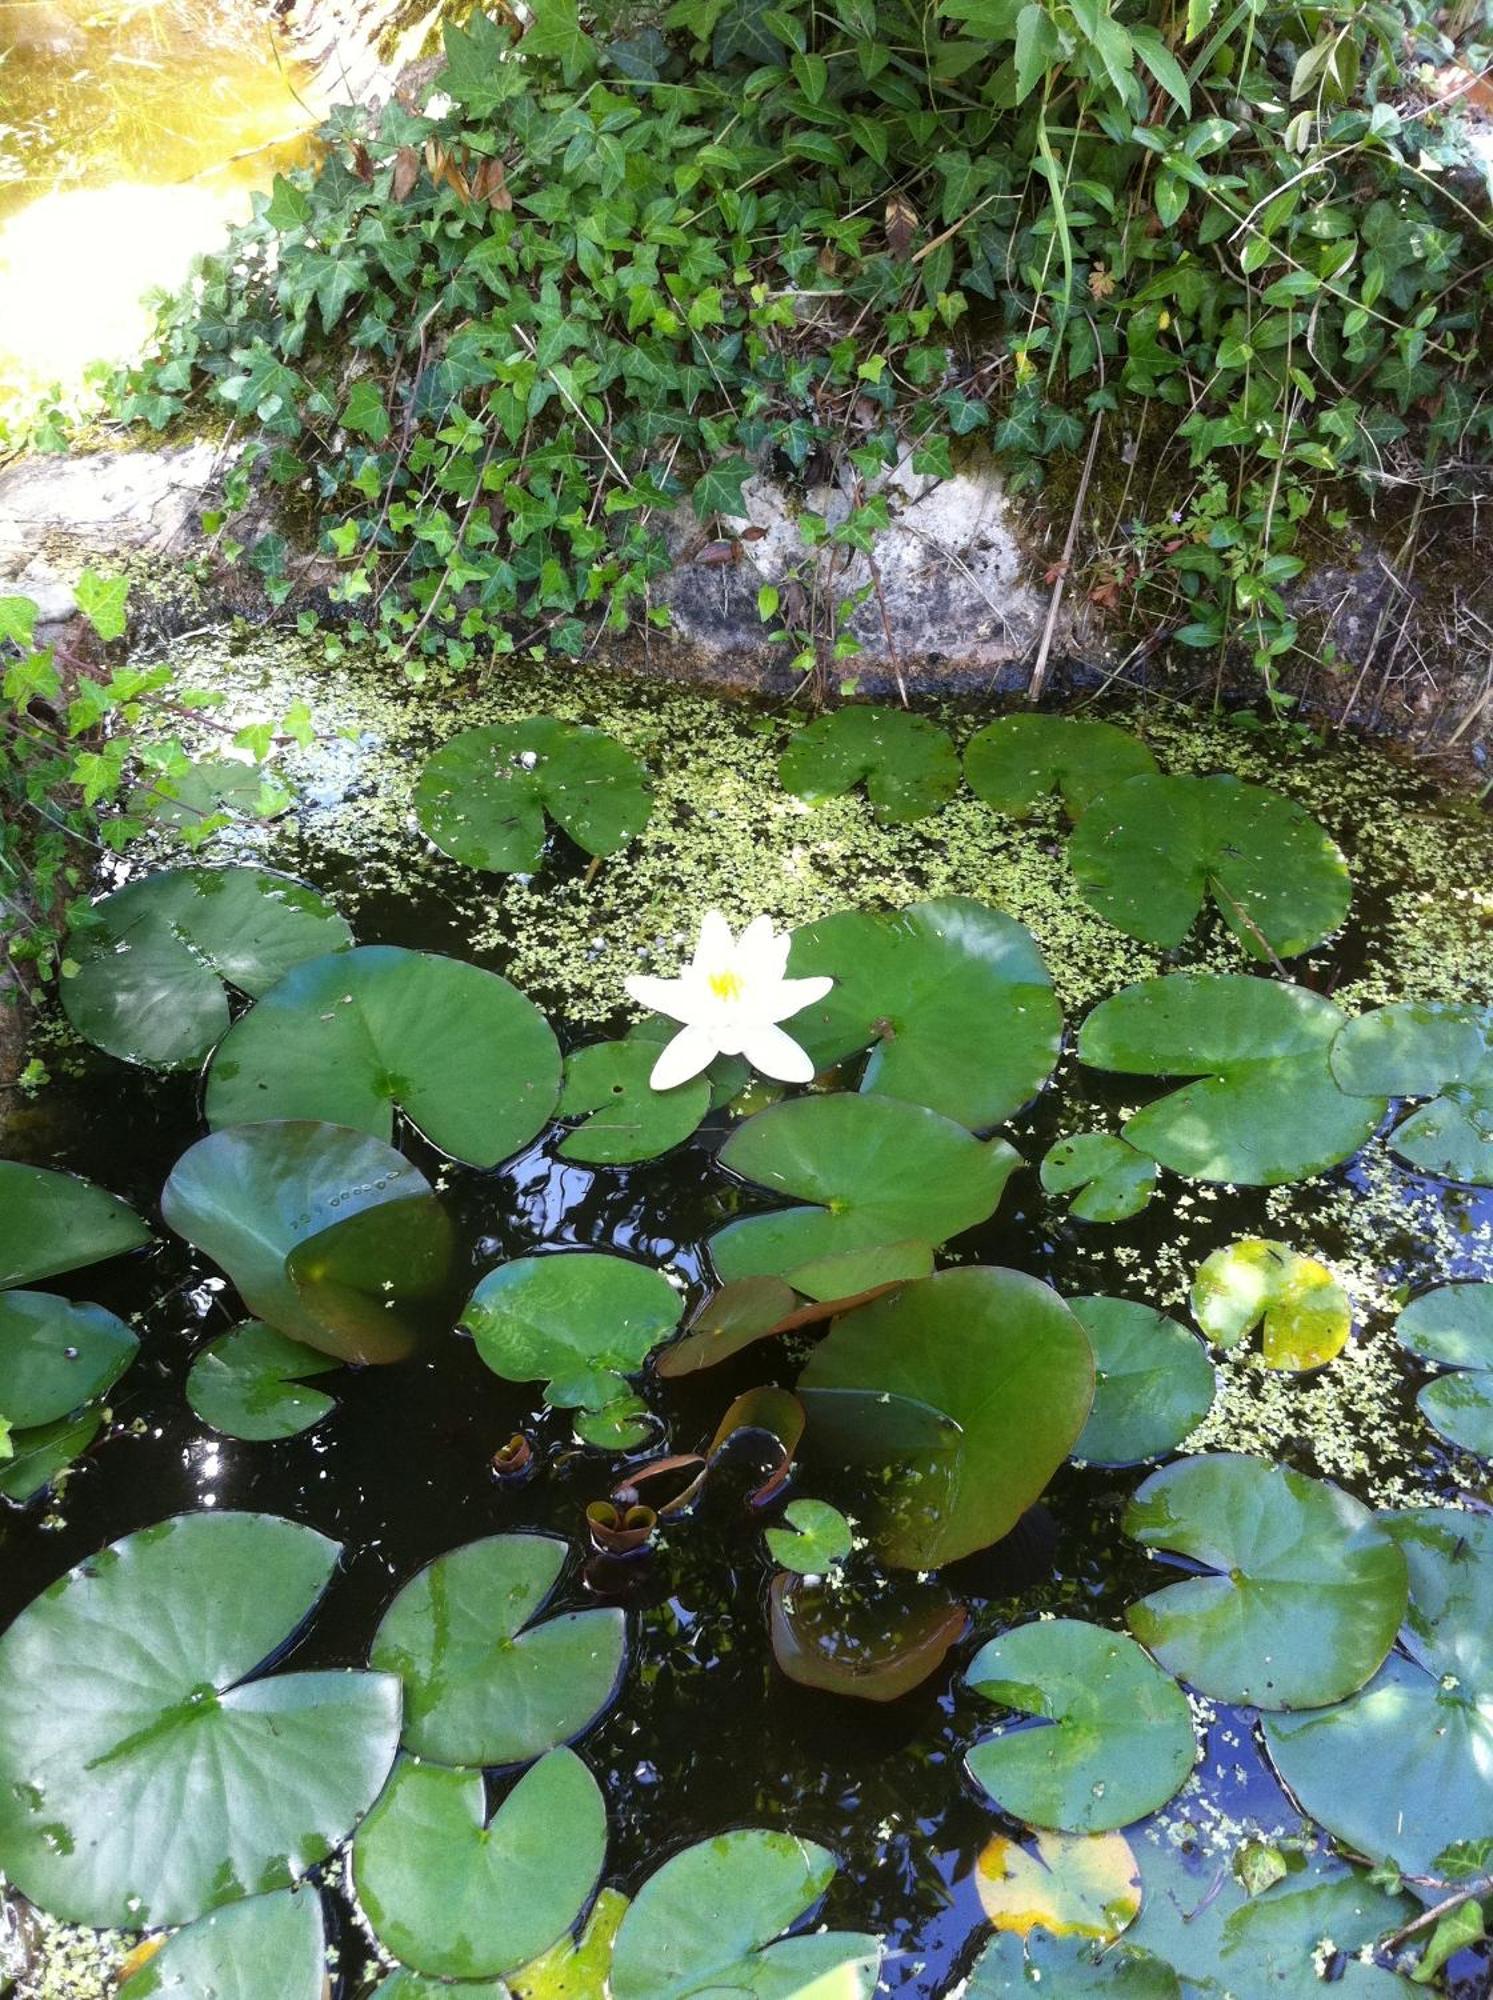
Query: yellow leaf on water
<point x="1306" y="1313"/>
<point x="1072" y="1884"/>
<point x="140" y="1956"/>
<point x="575" y="1970"/>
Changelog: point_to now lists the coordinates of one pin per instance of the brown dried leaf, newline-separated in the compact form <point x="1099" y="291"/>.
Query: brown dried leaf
<point x="406" y="173"/>
<point x="901" y="225"/>
<point x="874" y="1648"/>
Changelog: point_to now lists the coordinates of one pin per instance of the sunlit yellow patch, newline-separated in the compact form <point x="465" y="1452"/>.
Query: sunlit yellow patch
<point x="1072" y="1884"/>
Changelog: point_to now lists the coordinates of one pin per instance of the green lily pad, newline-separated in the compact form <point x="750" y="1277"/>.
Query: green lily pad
<point x="154" y="958"/>
<point x="483" y="796"/>
<point x="1308" y="1589"/>
<point x="39" y="1457"/>
<point x="1418" y="1740"/>
<point x="1008" y="1374"/>
<point x="206" y="789"/>
<point x="1068" y="1967"/>
<point x="1305" y="1312"/>
<point x="870" y="1645"/>
<point x="248" y="1384"/>
<point x="52" y="1222"/>
<point x="1113" y="1181"/>
<point x="253" y="1197"/>
<point x="907" y="764"/>
<point x="952" y="999"/>
<point x="581" y="1321"/>
<point x="626" y="1119"/>
<point x="1149" y="853"/>
<point x="705" y="1922"/>
<point x="753" y="1309"/>
<point x="816" y="1536"/>
<point x="884" y="1173"/>
<point x="1115" y="1741"/>
<point x="145" y="1777"/>
<point x="55" y="1357"/>
<point x="1423" y="1049"/>
<point x="1153" y="1382"/>
<point x="484" y="1682"/>
<point x="265" y="1944"/>
<point x="1265" y="1108"/>
<point x="1460" y="1408"/>
<point x="342" y="1040"/>
<point x="455" y="1896"/>
<point x="1018" y="759"/>
<point x="1452" y="1325"/>
<point x="407" y="1985"/>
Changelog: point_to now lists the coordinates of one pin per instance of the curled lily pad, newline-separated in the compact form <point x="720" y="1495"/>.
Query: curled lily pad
<point x="1306" y="1591"/>
<point x="265" y="1944"/>
<point x="1006" y="1375"/>
<point x="257" y="1196"/>
<point x="581" y="1321"/>
<point x="344" y="1039"/>
<point x="55" y="1357"/>
<point x="249" y="1383"/>
<point x="1108" y="1179"/>
<point x="1422" y="1049"/>
<point x="1153" y="1383"/>
<point x="706" y="1921"/>
<point x="1018" y="759"/>
<point x="872" y="1645"/>
<point x="154" y="958"/>
<point x="1068" y="1966"/>
<point x="626" y="1119"/>
<point x="1305" y="1311"/>
<point x="483" y="796"/>
<point x="52" y="1222"/>
<point x="753" y="1309"/>
<point x="1148" y="853"/>
<point x="815" y="1536"/>
<point x="1072" y="1885"/>
<point x="886" y="1173"/>
<point x="1115" y="1740"/>
<point x="1453" y="1325"/>
<point x="952" y="999"/>
<point x="145" y="1776"/>
<point x="39" y="1457"/>
<point x="485" y="1681"/>
<point x="907" y="764"/>
<point x="1418" y="1740"/>
<point x="1265" y="1108"/>
<point x="456" y="1896"/>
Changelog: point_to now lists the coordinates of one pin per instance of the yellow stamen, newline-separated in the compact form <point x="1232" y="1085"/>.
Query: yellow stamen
<point x="725" y="985"/>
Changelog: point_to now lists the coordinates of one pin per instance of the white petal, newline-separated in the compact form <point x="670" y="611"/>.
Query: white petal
<point x="791" y="996"/>
<point x="761" y="952"/>
<point x="777" y="1055"/>
<point x="664" y="996"/>
<point x="691" y="1050"/>
<point x="715" y="945"/>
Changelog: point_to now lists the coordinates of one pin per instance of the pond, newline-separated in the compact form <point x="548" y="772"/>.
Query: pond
<point x="705" y="1733"/>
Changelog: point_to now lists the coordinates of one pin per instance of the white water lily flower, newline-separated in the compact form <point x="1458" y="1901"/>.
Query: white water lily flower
<point x="730" y="999"/>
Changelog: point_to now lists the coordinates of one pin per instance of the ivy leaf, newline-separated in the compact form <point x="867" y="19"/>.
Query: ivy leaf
<point x="364" y="412"/>
<point x="556" y="31"/>
<point x="718" y="491"/>
<point x="102" y="599"/>
<point x="288" y="207"/>
<point x="1460" y="1927"/>
<point x="477" y="74"/>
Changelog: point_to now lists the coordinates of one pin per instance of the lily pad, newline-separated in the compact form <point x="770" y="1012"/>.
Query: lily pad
<point x="485" y="1683"/>
<point x="753" y="1309"/>
<point x="1454" y="1325"/>
<point x="872" y="1645"/>
<point x="1418" y="1740"/>
<point x="1112" y="1180"/>
<point x="1306" y="1313"/>
<point x="248" y="1384"/>
<point x="265" y="1944"/>
<point x="145" y="1777"/>
<point x="952" y="999"/>
<point x="884" y="1172"/>
<point x="1018" y="759"/>
<point x="705" y="1922"/>
<point x="1068" y="1967"/>
<point x="155" y="957"/>
<point x="254" y="1197"/>
<point x="1307" y="1592"/>
<point x="342" y="1040"/>
<point x="38" y="1458"/>
<point x="1422" y="1049"/>
<point x="573" y="1969"/>
<point x="455" y="1896"/>
<point x="1006" y="1373"/>
<point x="1148" y="853"/>
<point x="209" y="790"/>
<point x="907" y="763"/>
<point x="1115" y="1740"/>
<point x="55" y="1357"/>
<point x="1083" y="1885"/>
<point x="1153" y="1382"/>
<point x="483" y="796"/>
<point x="1460" y="1408"/>
<point x="815" y="1537"/>
<point x="626" y="1119"/>
<point x="52" y="1222"/>
<point x="1266" y="1107"/>
<point x="581" y="1321"/>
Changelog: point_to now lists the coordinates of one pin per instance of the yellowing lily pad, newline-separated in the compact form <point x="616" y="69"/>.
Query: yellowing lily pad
<point x="1306" y="1313"/>
<point x="1071" y="1884"/>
